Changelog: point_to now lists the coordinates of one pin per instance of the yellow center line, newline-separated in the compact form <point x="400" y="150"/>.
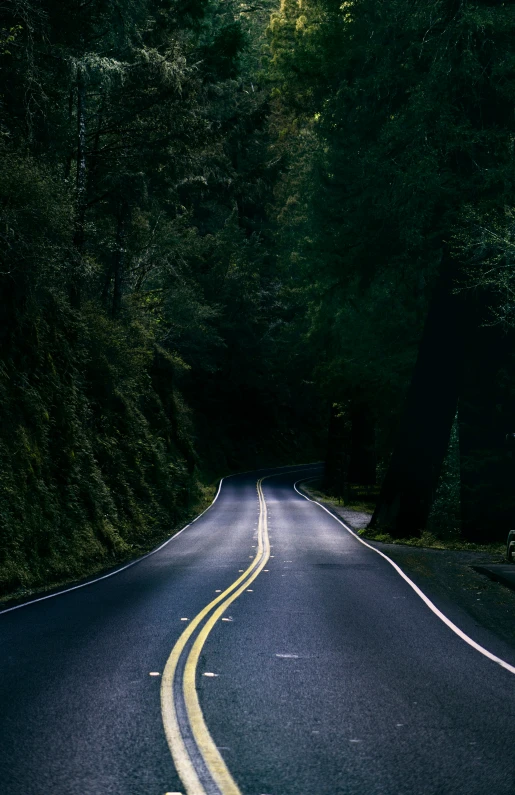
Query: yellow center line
<point x="207" y="748"/>
<point x="211" y="757"/>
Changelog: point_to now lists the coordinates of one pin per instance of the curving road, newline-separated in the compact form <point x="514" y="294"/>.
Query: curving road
<point x="289" y="659"/>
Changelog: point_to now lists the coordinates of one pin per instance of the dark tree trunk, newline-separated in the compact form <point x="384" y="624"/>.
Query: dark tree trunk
<point x="93" y="154"/>
<point x="362" y="465"/>
<point x="331" y="456"/>
<point x="119" y="258"/>
<point x="80" y="180"/>
<point x="80" y="185"/>
<point x="337" y="457"/>
<point x="486" y="414"/>
<point x="106" y="289"/>
<point x="408" y="488"/>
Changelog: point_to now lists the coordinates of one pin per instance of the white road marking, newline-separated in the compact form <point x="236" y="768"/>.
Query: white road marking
<point x="210" y="673"/>
<point x="154" y="673"/>
<point x="153" y="552"/>
<point x="418" y="591"/>
<point x="118" y="571"/>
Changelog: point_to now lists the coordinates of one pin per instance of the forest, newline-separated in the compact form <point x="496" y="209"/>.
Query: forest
<point x="239" y="234"/>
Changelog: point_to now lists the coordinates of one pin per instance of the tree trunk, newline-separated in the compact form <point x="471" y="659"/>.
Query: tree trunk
<point x="336" y="462"/>
<point x="362" y="465"/>
<point x="80" y="185"/>
<point x="119" y="258"/>
<point x="94" y="149"/>
<point x="106" y="289"/>
<point x="486" y="414"/>
<point x="408" y="488"/>
<point x="80" y="180"/>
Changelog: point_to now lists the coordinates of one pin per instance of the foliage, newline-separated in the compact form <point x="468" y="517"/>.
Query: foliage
<point x="218" y="220"/>
<point x="486" y="242"/>
<point x="142" y="343"/>
<point x="393" y="125"/>
<point x="445" y="516"/>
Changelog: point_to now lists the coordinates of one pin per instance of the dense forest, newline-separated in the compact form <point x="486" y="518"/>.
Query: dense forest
<point x="236" y="234"/>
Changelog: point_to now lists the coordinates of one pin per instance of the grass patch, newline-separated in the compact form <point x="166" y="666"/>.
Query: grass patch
<point x="428" y="540"/>
<point x="358" y="498"/>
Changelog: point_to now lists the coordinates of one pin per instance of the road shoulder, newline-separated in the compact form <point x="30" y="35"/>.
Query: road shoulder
<point x="448" y="577"/>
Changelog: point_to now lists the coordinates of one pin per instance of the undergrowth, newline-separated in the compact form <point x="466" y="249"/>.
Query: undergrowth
<point x="448" y="538"/>
<point x="431" y="541"/>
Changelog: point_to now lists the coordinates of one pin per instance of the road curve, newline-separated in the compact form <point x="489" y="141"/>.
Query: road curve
<point x="328" y="676"/>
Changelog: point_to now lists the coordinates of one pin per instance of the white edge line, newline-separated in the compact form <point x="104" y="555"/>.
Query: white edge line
<point x="117" y="571"/>
<point x="417" y="590"/>
<point x="148" y="554"/>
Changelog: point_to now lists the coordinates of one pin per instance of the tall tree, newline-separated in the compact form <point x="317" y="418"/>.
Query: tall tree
<point x="409" y="104"/>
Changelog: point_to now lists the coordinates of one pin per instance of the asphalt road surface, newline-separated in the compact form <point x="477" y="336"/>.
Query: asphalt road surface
<point x="306" y="666"/>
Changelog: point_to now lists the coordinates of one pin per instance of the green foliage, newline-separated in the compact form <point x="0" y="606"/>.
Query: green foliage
<point x="392" y="128"/>
<point x="144" y="330"/>
<point x="92" y="467"/>
<point x="485" y="240"/>
<point x="431" y="541"/>
<point x="217" y="219"/>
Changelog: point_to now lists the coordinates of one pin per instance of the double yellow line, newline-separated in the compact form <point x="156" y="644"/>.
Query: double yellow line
<point x="196" y="757"/>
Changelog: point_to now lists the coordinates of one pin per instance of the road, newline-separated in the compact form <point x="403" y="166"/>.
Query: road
<point x="315" y="670"/>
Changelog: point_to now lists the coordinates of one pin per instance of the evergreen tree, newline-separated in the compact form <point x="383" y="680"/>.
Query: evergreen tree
<point x="408" y="102"/>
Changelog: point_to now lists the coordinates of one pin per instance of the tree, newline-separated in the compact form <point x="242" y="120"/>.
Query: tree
<point x="409" y="105"/>
<point x="146" y="336"/>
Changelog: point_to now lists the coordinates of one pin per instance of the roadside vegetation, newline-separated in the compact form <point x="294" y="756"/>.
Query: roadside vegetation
<point x="397" y="208"/>
<point x="359" y="513"/>
<point x="145" y="343"/>
<point x="230" y="232"/>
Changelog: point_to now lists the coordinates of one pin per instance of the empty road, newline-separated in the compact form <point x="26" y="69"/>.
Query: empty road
<point x="263" y="651"/>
